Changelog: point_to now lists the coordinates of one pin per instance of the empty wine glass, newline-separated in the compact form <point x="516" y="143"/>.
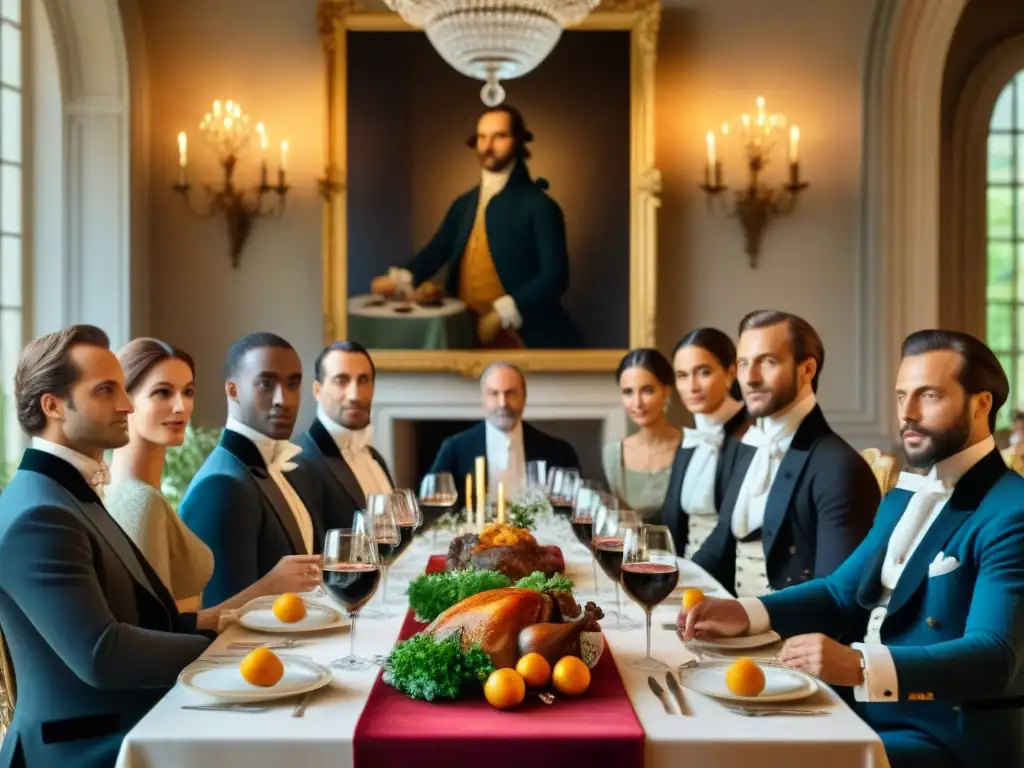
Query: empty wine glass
<point x="537" y="475"/>
<point x="351" y="573"/>
<point x="607" y="539"/>
<point x="438" y="490"/>
<point x="377" y="521"/>
<point x="408" y="516"/>
<point x="562" y="485"/>
<point x="650" y="572"/>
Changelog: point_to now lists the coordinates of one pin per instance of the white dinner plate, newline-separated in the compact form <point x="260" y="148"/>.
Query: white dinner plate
<point x="742" y="643"/>
<point x="780" y="683"/>
<point x="259" y="617"/>
<point x="223" y="680"/>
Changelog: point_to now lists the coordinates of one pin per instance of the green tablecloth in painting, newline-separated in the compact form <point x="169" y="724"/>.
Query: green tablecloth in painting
<point x="449" y="326"/>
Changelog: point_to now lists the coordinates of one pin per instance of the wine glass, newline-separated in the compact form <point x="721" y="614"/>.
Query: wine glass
<point x="650" y="572"/>
<point x="408" y="515"/>
<point x="377" y="521"/>
<point x="562" y="485"/>
<point x="351" y="573"/>
<point x="536" y="475"/>
<point x="609" y="528"/>
<point x="438" y="490"/>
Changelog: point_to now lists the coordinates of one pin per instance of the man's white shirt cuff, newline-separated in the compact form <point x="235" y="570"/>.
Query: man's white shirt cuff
<point x="402" y="278"/>
<point x="506" y="308"/>
<point x="880" y="680"/>
<point x="757" y="615"/>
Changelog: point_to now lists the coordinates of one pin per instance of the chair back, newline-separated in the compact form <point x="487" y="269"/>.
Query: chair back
<point x="884" y="466"/>
<point x="1014" y="460"/>
<point x="8" y="687"/>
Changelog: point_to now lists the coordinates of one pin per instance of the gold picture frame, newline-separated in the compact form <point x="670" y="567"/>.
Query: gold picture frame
<point x="642" y="19"/>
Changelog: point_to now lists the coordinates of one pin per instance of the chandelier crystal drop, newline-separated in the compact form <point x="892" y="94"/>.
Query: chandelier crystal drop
<point x="493" y="40"/>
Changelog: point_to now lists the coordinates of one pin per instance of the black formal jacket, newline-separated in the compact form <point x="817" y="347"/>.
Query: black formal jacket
<point x="820" y="507"/>
<point x="95" y="637"/>
<point x="236" y="508"/>
<point x="322" y="463"/>
<point x="672" y="513"/>
<point x="458" y="453"/>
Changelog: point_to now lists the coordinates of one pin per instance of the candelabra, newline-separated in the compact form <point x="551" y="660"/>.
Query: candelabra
<point x="228" y="129"/>
<point x="757" y="204"/>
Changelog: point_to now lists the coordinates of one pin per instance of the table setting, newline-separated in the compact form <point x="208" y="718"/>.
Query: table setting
<point x="563" y="666"/>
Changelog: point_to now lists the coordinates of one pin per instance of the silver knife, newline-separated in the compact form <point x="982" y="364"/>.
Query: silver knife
<point x="660" y="693"/>
<point x="677" y="692"/>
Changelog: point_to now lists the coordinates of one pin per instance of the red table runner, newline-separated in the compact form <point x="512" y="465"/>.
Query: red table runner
<point x="600" y="726"/>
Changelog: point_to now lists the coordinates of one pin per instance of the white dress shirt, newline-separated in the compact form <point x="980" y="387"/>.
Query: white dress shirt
<point x="697" y="494"/>
<point x="931" y="493"/>
<point x="278" y="454"/>
<point x="491" y="183"/>
<point x="506" y="459"/>
<point x="96" y="473"/>
<point x="354" y="445"/>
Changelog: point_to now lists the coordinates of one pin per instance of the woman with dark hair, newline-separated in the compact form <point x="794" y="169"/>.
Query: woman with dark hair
<point x="160" y="381"/>
<point x="637" y="469"/>
<point x="705" y="377"/>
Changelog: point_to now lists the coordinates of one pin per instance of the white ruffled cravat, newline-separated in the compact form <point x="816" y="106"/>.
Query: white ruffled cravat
<point x="101" y="476"/>
<point x="697" y="494"/>
<point x="929" y="492"/>
<point x="355" y="441"/>
<point x="281" y="455"/>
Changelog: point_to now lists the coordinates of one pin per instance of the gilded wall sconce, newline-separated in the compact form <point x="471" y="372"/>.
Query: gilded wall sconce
<point x="756" y="204"/>
<point x="229" y="130"/>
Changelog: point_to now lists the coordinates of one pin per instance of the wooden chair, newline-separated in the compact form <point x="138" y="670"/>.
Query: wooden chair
<point x="8" y="687"/>
<point x="1014" y="460"/>
<point x="884" y="466"/>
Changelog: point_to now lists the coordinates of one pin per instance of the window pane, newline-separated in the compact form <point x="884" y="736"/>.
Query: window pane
<point x="10" y="348"/>
<point x="10" y="199"/>
<point x="1000" y="213"/>
<point x="10" y="55"/>
<point x="10" y="127"/>
<point x="1002" y="116"/>
<point x="1000" y="158"/>
<point x="11" y="9"/>
<point x="998" y="326"/>
<point x="1020" y="100"/>
<point x="1000" y="271"/>
<point x="10" y="271"/>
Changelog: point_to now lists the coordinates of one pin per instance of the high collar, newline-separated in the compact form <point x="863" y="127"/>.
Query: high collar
<point x="88" y="468"/>
<point x="515" y="435"/>
<point x="346" y="439"/>
<point x="775" y="427"/>
<point x="268" y="447"/>
<point x="60" y="471"/>
<point x="716" y="420"/>
<point x="949" y="471"/>
<point x="492" y="182"/>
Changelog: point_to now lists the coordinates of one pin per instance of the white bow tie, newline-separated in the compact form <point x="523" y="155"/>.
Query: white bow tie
<point x="711" y="437"/>
<point x="282" y="454"/>
<point x="356" y="440"/>
<point x="923" y="484"/>
<point x="101" y="476"/>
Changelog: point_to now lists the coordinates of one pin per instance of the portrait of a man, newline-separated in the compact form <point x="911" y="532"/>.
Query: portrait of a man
<point x="504" y="245"/>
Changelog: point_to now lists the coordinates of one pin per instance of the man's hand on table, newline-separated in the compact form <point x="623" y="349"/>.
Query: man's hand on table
<point x="831" y="662"/>
<point x="713" y="617"/>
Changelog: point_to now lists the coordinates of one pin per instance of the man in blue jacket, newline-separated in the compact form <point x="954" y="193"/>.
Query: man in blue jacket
<point x="924" y="620"/>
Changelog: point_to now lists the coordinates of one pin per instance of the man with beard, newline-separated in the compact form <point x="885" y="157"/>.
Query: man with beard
<point x="240" y="503"/>
<point x="506" y="441"/>
<point x="924" y="620"/>
<point x="799" y="498"/>
<point x="337" y="450"/>
<point x="504" y="245"/>
<point x="94" y="635"/>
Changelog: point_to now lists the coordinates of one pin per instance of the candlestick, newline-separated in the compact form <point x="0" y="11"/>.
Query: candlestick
<point x="284" y="156"/>
<point x="794" y="174"/>
<point x="501" y="503"/>
<point x="469" y="498"/>
<point x="182" y="156"/>
<point x="718" y="174"/>
<point x="481" y="491"/>
<point x="794" y="141"/>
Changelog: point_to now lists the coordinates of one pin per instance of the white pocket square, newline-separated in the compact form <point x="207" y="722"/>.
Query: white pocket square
<point x="942" y="565"/>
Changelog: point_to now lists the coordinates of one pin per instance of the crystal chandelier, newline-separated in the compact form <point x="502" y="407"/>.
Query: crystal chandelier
<point x="493" y="40"/>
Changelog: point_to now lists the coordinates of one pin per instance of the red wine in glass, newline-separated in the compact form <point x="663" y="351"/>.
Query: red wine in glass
<point x="608" y="552"/>
<point x="351" y="584"/>
<point x="386" y="548"/>
<point x="649" y="583"/>
<point x="582" y="527"/>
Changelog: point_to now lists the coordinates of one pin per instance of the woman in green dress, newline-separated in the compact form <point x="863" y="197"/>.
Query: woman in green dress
<point x="638" y="468"/>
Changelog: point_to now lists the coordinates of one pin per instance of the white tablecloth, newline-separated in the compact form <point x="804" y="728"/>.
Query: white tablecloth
<point x="169" y="737"/>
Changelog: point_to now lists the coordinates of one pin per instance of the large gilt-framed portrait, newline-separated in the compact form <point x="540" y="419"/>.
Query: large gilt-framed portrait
<point x="400" y="128"/>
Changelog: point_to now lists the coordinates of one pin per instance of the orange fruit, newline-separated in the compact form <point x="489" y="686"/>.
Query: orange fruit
<point x="571" y="676"/>
<point x="691" y="597"/>
<point x="534" y="669"/>
<point x="504" y="689"/>
<point x="744" y="678"/>
<point x="289" y="608"/>
<point x="262" y="667"/>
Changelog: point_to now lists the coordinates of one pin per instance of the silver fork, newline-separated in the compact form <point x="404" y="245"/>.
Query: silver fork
<point x="254" y="646"/>
<point x="244" y="708"/>
<point x="765" y="712"/>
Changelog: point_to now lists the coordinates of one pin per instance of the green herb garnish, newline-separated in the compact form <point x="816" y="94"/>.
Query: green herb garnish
<point x="538" y="582"/>
<point x="525" y="515"/>
<point x="430" y="596"/>
<point x="425" y="668"/>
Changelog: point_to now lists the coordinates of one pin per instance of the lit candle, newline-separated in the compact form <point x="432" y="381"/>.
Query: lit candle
<point x="284" y="156"/>
<point x="501" y="503"/>
<point x="481" y="491"/>
<point x="182" y="156"/>
<point x="794" y="141"/>
<point x="469" y="498"/>
<point x="216" y="110"/>
<point x="760" y="110"/>
<point x="264" y="141"/>
<point x="711" y="149"/>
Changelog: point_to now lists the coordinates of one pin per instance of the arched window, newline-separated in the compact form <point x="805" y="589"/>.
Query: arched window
<point x="1004" y="288"/>
<point x="11" y="225"/>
